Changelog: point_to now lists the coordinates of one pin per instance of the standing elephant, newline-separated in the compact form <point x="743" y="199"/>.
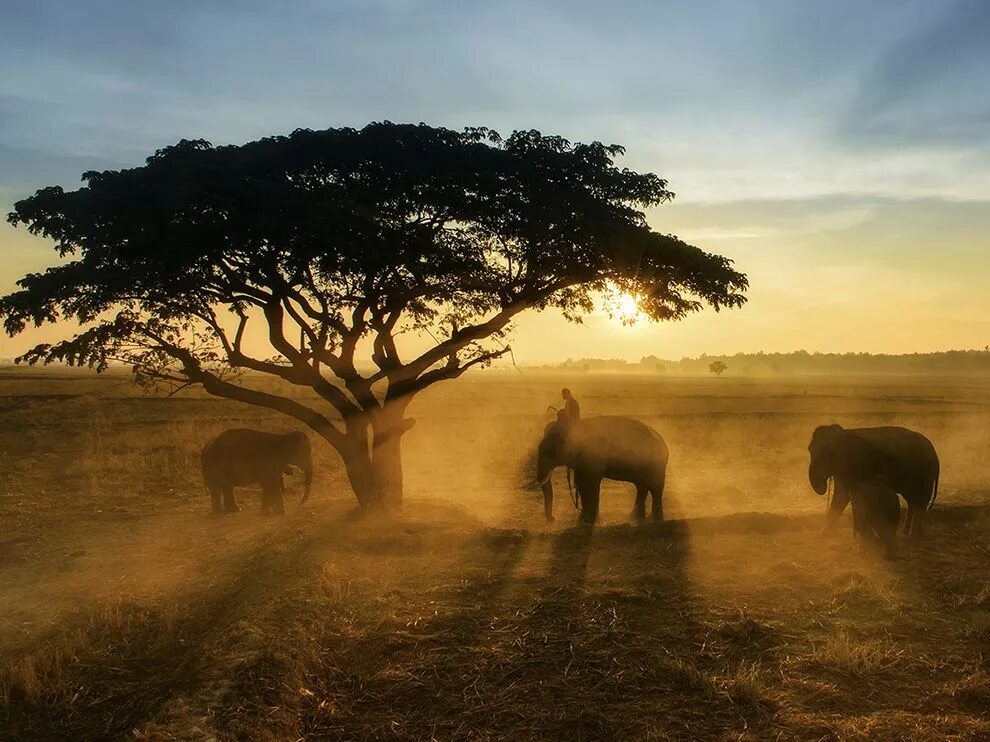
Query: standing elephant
<point x="876" y="514"/>
<point x="905" y="458"/>
<point x="606" y="447"/>
<point x="241" y="456"/>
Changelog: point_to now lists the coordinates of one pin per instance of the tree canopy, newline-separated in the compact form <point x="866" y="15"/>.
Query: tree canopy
<point x="337" y="239"/>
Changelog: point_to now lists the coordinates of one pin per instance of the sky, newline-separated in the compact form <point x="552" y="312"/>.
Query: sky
<point x="839" y="152"/>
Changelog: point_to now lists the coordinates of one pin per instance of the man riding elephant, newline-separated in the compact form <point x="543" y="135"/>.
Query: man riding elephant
<point x="605" y="447"/>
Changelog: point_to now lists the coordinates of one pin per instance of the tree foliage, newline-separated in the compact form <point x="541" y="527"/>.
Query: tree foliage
<point x="339" y="239"/>
<point x="717" y="367"/>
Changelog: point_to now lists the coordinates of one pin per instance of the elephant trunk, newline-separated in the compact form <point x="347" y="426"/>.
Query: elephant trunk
<point x="818" y="478"/>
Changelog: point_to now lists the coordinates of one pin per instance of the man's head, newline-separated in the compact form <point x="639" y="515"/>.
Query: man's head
<point x="565" y="393"/>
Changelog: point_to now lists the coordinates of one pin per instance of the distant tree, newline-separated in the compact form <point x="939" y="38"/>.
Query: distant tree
<point x="717" y="367"/>
<point x="336" y="242"/>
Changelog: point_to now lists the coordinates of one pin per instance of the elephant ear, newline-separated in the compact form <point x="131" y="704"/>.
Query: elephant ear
<point x="825" y="433"/>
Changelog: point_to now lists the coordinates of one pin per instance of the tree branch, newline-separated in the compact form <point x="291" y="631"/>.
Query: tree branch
<point x="404" y="376"/>
<point x="216" y="386"/>
<point x="452" y="370"/>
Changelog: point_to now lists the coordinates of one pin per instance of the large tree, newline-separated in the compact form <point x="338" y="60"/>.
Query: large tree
<point x="340" y="240"/>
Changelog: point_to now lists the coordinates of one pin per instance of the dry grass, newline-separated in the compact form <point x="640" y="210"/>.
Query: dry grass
<point x="131" y="612"/>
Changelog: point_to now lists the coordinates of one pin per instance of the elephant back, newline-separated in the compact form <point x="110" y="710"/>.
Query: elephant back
<point x="913" y="461"/>
<point x="623" y="436"/>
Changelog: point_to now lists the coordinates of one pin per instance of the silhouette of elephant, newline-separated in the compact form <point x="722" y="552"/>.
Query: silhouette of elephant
<point x="906" y="459"/>
<point x="605" y="447"/>
<point x="876" y="514"/>
<point x="241" y="456"/>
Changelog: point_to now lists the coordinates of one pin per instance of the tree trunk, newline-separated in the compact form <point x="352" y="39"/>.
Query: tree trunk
<point x="386" y="469"/>
<point x="388" y="427"/>
<point x="374" y="468"/>
<point x="359" y="474"/>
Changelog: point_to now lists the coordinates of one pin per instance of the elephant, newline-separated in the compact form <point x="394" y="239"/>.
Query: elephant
<point x="906" y="459"/>
<point x="604" y="447"/>
<point x="241" y="456"/>
<point x="876" y="514"/>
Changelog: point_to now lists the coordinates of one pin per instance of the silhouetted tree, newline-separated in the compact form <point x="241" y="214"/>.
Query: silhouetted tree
<point x="717" y="368"/>
<point x="339" y="240"/>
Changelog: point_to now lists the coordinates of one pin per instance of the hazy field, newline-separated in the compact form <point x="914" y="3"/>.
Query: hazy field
<point x="128" y="610"/>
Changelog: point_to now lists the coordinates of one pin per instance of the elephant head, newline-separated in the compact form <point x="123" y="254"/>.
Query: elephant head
<point x="824" y="453"/>
<point x="299" y="454"/>
<point x="837" y="452"/>
<point x="550" y="454"/>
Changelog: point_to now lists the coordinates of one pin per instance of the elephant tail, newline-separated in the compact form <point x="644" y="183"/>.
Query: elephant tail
<point x="931" y="500"/>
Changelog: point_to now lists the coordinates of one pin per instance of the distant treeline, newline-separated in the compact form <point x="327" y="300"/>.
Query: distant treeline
<point x="771" y="364"/>
<point x="798" y="362"/>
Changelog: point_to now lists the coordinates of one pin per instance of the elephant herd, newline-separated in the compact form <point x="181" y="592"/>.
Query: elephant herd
<point x="868" y="467"/>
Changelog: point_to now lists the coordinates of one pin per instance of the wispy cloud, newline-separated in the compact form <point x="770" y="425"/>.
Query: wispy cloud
<point x="801" y="138"/>
<point x="929" y="87"/>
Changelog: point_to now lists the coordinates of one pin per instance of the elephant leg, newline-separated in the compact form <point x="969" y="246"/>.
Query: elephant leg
<point x="840" y="499"/>
<point x="656" y="492"/>
<point x="589" y="487"/>
<point x="215" y="497"/>
<point x="229" y="504"/>
<point x="860" y="530"/>
<point x="272" y="502"/>
<point x="889" y="538"/>
<point x="909" y="524"/>
<point x="278" y="497"/>
<point x="639" y="509"/>
<point x="916" y="519"/>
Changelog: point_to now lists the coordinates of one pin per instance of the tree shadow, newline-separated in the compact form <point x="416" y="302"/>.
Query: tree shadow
<point x="129" y="662"/>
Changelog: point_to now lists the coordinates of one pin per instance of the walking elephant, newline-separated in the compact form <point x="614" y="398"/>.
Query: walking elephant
<point x="241" y="456"/>
<point x="906" y="459"/>
<point x="606" y="447"/>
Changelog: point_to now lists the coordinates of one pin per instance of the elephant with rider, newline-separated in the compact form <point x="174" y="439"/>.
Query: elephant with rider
<point x="905" y="459"/>
<point x="241" y="456"/>
<point x="604" y="447"/>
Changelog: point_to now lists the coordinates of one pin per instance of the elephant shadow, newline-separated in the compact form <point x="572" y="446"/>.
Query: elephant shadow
<point x="536" y="612"/>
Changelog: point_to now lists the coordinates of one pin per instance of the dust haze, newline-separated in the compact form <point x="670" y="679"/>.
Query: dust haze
<point x="131" y="610"/>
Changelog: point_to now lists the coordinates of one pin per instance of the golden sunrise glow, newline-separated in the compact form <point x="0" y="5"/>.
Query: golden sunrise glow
<point x="623" y="308"/>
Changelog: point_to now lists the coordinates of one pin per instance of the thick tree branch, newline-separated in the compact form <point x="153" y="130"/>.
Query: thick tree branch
<point x="213" y="384"/>
<point x="451" y="370"/>
<point x="405" y="374"/>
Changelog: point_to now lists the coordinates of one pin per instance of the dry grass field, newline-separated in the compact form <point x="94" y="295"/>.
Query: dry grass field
<point x="127" y="610"/>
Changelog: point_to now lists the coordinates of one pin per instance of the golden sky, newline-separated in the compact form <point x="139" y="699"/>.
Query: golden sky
<point x="853" y="189"/>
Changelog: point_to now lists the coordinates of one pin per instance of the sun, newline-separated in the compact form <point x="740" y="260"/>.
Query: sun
<point x="623" y="307"/>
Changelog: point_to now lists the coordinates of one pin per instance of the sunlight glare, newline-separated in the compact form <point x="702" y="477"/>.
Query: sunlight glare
<point x="623" y="307"/>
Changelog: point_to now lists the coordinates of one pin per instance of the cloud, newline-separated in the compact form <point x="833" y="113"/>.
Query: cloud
<point x="927" y="88"/>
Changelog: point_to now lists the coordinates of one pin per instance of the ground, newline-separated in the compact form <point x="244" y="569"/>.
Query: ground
<point x="130" y="611"/>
